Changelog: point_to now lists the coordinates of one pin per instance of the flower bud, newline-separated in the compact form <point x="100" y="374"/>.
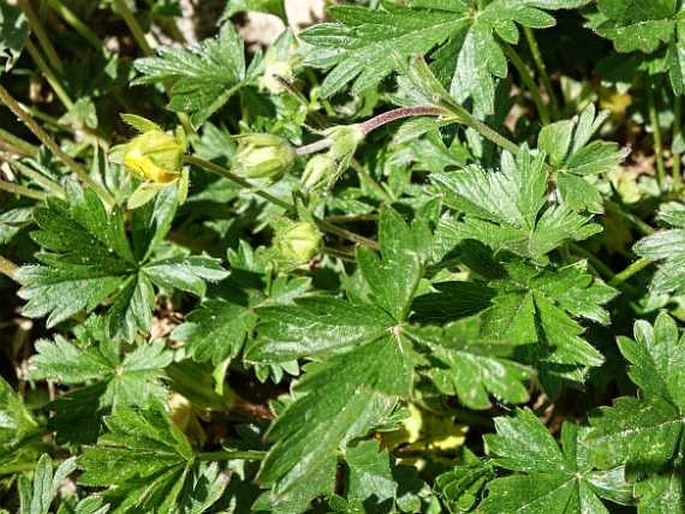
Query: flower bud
<point x="263" y="156"/>
<point x="299" y="241"/>
<point x="318" y="172"/>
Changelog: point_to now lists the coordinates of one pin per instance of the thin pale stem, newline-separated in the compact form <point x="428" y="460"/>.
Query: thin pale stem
<point x="658" y="147"/>
<point x="22" y="191"/>
<point x="39" y="31"/>
<point x="54" y="82"/>
<point x="528" y="80"/>
<point x="542" y="70"/>
<point x="366" y="179"/>
<point x="52" y="145"/>
<point x="323" y="225"/>
<point x="68" y="16"/>
<point x="677" y="134"/>
<point x="38" y="178"/>
<point x="17" y="145"/>
<point x="631" y="270"/>
<point x="133" y="26"/>
<point x="7" y="267"/>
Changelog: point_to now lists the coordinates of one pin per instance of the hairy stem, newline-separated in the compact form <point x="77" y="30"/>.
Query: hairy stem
<point x="17" y="145"/>
<point x="133" y="26"/>
<point x="654" y="122"/>
<point x="38" y="178"/>
<point x="377" y="122"/>
<point x="677" y="134"/>
<point x="22" y="191"/>
<point x="7" y="267"/>
<point x="52" y="145"/>
<point x="631" y="270"/>
<point x="323" y="225"/>
<point x="542" y="70"/>
<point x="528" y="80"/>
<point x="54" y="82"/>
<point x="39" y="31"/>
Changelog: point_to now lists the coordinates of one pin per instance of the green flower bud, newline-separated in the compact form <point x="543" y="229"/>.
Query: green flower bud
<point x="263" y="156"/>
<point x="318" y="172"/>
<point x="299" y="241"/>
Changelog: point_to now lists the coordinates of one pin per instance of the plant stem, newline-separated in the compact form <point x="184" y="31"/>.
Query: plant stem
<point x="133" y="26"/>
<point x="38" y="178"/>
<point x="17" y="145"/>
<point x="366" y="179"/>
<point x="22" y="191"/>
<point x="654" y="122"/>
<point x="542" y="70"/>
<point x="640" y="225"/>
<point x="377" y="122"/>
<point x="7" y="267"/>
<point x="677" y="134"/>
<point x="39" y="31"/>
<point x="68" y="16"/>
<point x="52" y="145"/>
<point x="323" y="225"/>
<point x="528" y="80"/>
<point x="466" y="118"/>
<point x="49" y="75"/>
<point x="631" y="270"/>
<point x="231" y="455"/>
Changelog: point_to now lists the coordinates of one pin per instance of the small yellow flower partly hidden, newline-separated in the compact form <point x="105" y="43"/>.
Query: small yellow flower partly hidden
<point x="155" y="156"/>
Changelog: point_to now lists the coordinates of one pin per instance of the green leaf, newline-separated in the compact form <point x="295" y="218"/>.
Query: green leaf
<point x="15" y="420"/>
<point x="394" y="276"/>
<point x="547" y="479"/>
<point x="573" y="156"/>
<point x="131" y="379"/>
<point x="464" y="365"/>
<point x="186" y="273"/>
<point x="203" y="77"/>
<point x="314" y="326"/>
<point x="509" y="209"/>
<point x="361" y="36"/>
<point x="87" y="259"/>
<point x="645" y="429"/>
<point x="668" y="246"/>
<point x="541" y="306"/>
<point x="636" y="25"/>
<point x="144" y="460"/>
<point x="37" y="496"/>
<point x="335" y="401"/>
<point x="369" y="479"/>
<point x="216" y="330"/>
<point x="14" y="32"/>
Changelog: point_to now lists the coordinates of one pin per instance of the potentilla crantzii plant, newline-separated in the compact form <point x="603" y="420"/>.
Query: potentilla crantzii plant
<point x="421" y="256"/>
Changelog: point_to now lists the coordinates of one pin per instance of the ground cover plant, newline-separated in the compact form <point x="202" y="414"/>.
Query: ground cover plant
<point x="420" y="256"/>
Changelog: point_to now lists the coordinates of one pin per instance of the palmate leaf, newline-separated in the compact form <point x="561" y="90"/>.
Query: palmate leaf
<point x="572" y="155"/>
<point x="646" y="433"/>
<point x="667" y="246"/>
<point x="147" y="465"/>
<point x="363" y="367"/>
<point x="202" y="77"/>
<point x="363" y="46"/>
<point x="87" y="259"/>
<point x="509" y="209"/>
<point x="129" y="379"/>
<point x="37" y="496"/>
<point x="634" y="25"/>
<point x="547" y="479"/>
